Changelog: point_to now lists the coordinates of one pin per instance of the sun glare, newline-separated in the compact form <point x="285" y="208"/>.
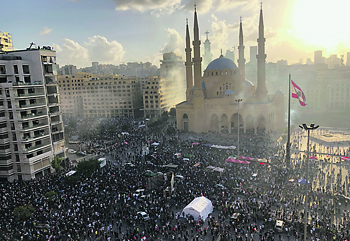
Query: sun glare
<point x="321" y="23"/>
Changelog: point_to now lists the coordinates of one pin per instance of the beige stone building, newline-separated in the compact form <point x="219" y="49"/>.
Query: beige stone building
<point x="213" y="99"/>
<point x="152" y="98"/>
<point x="31" y="126"/>
<point x="5" y="42"/>
<point x="87" y="95"/>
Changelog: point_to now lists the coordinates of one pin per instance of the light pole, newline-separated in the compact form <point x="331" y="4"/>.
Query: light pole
<point x="238" y="101"/>
<point x="306" y="205"/>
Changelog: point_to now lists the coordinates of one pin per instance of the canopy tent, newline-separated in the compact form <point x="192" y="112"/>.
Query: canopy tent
<point x="218" y="169"/>
<point x="200" y="207"/>
<point x="302" y="181"/>
<point x="245" y="158"/>
<point x="313" y="158"/>
<point x="237" y="161"/>
<point x="155" y="144"/>
<point x="195" y="143"/>
<point x="224" y="147"/>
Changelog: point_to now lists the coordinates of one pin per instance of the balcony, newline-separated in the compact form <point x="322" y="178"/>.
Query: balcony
<point x="30" y="105"/>
<point x="38" y="136"/>
<point x="30" y="116"/>
<point x="56" y="122"/>
<point x="33" y="127"/>
<point x="55" y="130"/>
<point x="5" y="141"/>
<point x="32" y="148"/>
<point x="54" y="113"/>
<point x="30" y="94"/>
<point x="24" y="84"/>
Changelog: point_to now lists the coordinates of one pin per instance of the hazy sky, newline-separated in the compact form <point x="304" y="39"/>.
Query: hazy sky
<point x="116" y="31"/>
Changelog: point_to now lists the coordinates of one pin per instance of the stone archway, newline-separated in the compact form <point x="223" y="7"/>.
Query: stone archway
<point x="214" y="123"/>
<point x="224" y="123"/>
<point x="261" y="125"/>
<point x="234" y="122"/>
<point x="185" y="122"/>
<point x="249" y="124"/>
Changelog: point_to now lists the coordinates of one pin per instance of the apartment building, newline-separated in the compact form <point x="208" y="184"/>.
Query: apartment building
<point x="31" y="127"/>
<point x="100" y="96"/>
<point x="5" y="42"/>
<point x="172" y="81"/>
<point x="152" y="98"/>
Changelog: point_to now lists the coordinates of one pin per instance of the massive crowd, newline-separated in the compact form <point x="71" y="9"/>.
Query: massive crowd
<point x="104" y="206"/>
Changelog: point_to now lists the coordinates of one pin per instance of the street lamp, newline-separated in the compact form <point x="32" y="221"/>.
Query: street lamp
<point x="306" y="206"/>
<point x="238" y="101"/>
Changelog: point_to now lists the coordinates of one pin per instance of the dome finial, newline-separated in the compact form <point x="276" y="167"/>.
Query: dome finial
<point x="221" y="56"/>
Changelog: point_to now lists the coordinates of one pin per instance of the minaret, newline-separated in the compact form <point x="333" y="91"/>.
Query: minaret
<point x="197" y="59"/>
<point x="208" y="56"/>
<point x="188" y="64"/>
<point x="261" y="91"/>
<point x="241" y="60"/>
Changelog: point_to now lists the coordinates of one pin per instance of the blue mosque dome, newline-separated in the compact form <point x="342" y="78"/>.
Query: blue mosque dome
<point x="221" y="63"/>
<point x="248" y="83"/>
<point x="229" y="92"/>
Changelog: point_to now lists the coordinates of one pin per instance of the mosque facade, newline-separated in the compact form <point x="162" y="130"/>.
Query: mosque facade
<point x="221" y="98"/>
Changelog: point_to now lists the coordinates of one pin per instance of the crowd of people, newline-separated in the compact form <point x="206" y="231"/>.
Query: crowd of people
<point x="105" y="206"/>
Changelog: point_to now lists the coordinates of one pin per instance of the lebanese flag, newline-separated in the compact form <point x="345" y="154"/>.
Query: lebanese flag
<point x="297" y="93"/>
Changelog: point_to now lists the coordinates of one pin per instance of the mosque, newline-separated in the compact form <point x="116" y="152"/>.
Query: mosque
<point x="222" y="97"/>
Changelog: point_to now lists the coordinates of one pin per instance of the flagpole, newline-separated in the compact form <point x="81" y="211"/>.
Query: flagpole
<point x="288" y="140"/>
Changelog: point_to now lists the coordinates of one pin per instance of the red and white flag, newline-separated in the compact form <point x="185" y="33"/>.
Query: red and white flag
<point x="298" y="94"/>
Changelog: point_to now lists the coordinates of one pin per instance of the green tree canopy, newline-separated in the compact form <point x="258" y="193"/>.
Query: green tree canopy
<point x="88" y="167"/>
<point x="57" y="163"/>
<point x="23" y="213"/>
<point x="172" y="112"/>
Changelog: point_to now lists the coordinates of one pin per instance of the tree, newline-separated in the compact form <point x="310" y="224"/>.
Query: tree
<point x="57" y="163"/>
<point x="171" y="130"/>
<point x="88" y="167"/>
<point x="164" y="116"/>
<point x="50" y="195"/>
<point x="23" y="213"/>
<point x="172" y="112"/>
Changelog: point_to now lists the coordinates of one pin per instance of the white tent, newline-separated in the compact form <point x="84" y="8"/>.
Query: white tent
<point x="199" y="207"/>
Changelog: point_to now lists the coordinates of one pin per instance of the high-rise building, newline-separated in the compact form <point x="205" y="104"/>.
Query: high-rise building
<point x="348" y="59"/>
<point x="253" y="51"/>
<point x="230" y="54"/>
<point x="5" y="42"/>
<point x="207" y="56"/>
<point x="67" y="70"/>
<point x="86" y="95"/>
<point x="31" y="131"/>
<point x="318" y="58"/>
<point x="151" y="98"/>
<point x="172" y="80"/>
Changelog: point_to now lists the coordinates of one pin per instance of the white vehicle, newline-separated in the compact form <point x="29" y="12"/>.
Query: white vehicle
<point x="129" y="164"/>
<point x="279" y="226"/>
<point x="144" y="215"/>
<point x="71" y="151"/>
<point x="139" y="192"/>
<point x="179" y="177"/>
<point x="102" y="162"/>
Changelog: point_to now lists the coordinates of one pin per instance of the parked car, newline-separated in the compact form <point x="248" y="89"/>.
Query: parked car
<point x="143" y="215"/>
